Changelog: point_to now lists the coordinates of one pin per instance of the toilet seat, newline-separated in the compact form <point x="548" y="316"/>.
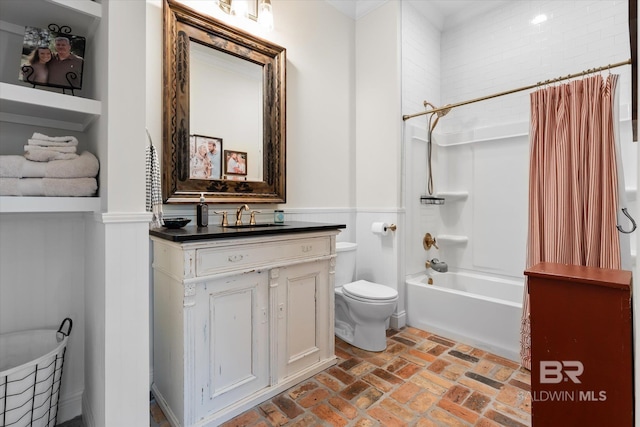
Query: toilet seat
<point x="364" y="290"/>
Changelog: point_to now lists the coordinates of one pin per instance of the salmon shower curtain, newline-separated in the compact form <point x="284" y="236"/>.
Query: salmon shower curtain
<point x="573" y="180"/>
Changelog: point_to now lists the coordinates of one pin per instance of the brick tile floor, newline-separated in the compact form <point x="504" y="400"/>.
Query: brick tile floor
<point x="421" y="380"/>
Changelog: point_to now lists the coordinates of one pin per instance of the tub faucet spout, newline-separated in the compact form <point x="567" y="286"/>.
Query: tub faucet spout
<point x="437" y="265"/>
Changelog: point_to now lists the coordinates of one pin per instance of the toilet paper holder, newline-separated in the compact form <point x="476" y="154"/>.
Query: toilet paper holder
<point x="382" y="228"/>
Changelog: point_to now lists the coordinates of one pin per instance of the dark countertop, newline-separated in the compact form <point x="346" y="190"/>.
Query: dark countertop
<point x="191" y="232"/>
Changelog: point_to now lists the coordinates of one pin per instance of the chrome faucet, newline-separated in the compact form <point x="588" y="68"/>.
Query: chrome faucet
<point x="239" y="213"/>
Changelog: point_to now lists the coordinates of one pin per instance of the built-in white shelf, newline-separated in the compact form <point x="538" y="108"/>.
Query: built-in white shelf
<point x="82" y="16"/>
<point x="453" y="195"/>
<point x="35" y="107"/>
<point x="11" y="204"/>
<point x="452" y="239"/>
<point x="23" y="104"/>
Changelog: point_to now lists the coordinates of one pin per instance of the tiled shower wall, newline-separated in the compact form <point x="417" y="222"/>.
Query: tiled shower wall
<point x="502" y="50"/>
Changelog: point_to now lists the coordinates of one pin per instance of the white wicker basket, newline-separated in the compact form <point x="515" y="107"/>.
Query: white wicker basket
<point x="30" y="375"/>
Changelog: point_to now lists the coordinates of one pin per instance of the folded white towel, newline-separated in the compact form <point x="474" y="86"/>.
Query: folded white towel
<point x="86" y="165"/>
<point x="43" y="143"/>
<point x="58" y="149"/>
<point x="47" y="155"/>
<point x="67" y="140"/>
<point x="53" y="187"/>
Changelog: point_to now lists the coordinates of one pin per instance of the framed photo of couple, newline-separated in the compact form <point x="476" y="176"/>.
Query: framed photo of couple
<point x="205" y="157"/>
<point x="52" y="57"/>
<point x="235" y="162"/>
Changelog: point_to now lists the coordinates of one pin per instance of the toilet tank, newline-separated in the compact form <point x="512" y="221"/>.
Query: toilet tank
<point x="345" y="263"/>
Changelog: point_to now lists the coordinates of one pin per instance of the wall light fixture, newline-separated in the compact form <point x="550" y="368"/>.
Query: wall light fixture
<point x="256" y="10"/>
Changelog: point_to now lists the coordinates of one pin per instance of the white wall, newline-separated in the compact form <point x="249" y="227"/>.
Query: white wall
<point x="378" y="99"/>
<point x="379" y="149"/>
<point x="320" y="103"/>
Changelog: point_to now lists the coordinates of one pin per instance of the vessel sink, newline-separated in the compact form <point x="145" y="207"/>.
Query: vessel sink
<point x="264" y="224"/>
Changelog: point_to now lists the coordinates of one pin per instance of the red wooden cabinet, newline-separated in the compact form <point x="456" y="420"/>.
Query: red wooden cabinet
<point x="581" y="346"/>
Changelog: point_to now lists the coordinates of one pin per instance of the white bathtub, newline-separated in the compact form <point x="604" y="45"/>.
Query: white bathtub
<point x="474" y="309"/>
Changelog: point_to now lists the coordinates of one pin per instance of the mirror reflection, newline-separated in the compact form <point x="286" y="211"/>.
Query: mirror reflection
<point x="225" y="116"/>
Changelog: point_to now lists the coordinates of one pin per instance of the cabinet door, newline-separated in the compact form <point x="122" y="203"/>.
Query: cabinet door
<point x="303" y="315"/>
<point x="232" y="344"/>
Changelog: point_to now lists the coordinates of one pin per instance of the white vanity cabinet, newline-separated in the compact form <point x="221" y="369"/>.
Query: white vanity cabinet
<point x="239" y="320"/>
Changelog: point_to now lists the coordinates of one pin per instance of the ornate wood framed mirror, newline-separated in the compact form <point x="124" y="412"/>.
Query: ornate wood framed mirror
<point x="224" y="122"/>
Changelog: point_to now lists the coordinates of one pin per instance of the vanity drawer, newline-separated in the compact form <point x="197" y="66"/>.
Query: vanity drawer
<point x="215" y="260"/>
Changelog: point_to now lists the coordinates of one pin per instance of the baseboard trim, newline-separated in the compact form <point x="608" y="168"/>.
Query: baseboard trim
<point x="398" y="320"/>
<point x="69" y="406"/>
<point x="87" y="415"/>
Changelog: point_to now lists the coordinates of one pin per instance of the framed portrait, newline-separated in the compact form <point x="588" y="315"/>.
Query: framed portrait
<point x="235" y="162"/>
<point x="52" y="57"/>
<point x="205" y="154"/>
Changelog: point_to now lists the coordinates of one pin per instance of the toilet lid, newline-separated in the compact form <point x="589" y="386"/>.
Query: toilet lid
<point x="370" y="291"/>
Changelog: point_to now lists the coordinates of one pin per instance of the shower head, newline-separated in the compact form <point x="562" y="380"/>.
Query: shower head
<point x="444" y="112"/>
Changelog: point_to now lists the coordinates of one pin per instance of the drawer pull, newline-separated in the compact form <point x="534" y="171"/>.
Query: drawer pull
<point x="235" y="258"/>
<point x="307" y="248"/>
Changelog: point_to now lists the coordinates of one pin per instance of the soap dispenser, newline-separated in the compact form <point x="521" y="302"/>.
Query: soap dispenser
<point x="202" y="212"/>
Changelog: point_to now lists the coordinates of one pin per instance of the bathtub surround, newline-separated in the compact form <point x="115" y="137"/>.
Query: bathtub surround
<point x="480" y="310"/>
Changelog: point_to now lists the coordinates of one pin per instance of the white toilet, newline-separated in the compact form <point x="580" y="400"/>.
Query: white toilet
<point x="362" y="308"/>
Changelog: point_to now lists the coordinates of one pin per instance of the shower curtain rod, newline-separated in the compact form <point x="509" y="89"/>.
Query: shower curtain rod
<point x="520" y="89"/>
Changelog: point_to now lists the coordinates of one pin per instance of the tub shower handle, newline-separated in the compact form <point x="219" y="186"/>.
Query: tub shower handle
<point x="429" y="241"/>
